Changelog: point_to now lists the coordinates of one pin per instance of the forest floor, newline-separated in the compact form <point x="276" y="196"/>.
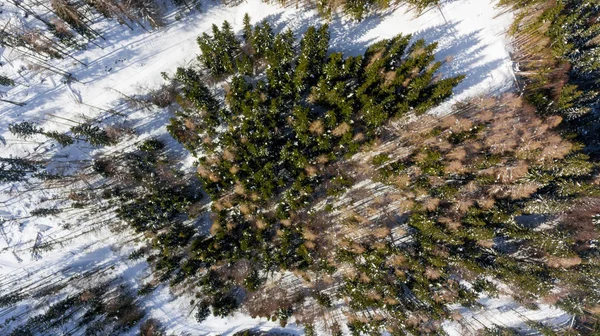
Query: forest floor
<point x="471" y="37"/>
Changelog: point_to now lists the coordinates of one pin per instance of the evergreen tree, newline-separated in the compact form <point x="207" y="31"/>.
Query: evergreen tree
<point x="247" y="29"/>
<point x="262" y="39"/>
<point x="95" y="135"/>
<point x="25" y="129"/>
<point x="313" y="51"/>
<point x="219" y="51"/>
<point x="14" y="170"/>
<point x="6" y="81"/>
<point x="202" y="311"/>
<point x="62" y="139"/>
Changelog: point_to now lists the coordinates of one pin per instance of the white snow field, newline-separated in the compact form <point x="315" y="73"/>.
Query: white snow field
<point x="472" y="41"/>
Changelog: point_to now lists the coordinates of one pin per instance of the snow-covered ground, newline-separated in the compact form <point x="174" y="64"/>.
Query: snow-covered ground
<point x="504" y="312"/>
<point x="471" y="40"/>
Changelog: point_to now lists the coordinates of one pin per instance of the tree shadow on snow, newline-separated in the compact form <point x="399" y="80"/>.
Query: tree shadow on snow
<point x="345" y="36"/>
<point x="460" y="54"/>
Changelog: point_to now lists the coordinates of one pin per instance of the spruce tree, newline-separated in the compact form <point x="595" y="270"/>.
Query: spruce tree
<point x="202" y="311"/>
<point x="63" y="139"/>
<point x="6" y="81"/>
<point x="16" y="169"/>
<point x="247" y="29"/>
<point x="95" y="135"/>
<point x="262" y="39"/>
<point x="25" y="129"/>
<point x="313" y="51"/>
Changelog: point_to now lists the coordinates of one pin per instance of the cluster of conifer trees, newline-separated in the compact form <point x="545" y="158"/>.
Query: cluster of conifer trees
<point x="470" y="185"/>
<point x="557" y="52"/>
<point x="291" y="111"/>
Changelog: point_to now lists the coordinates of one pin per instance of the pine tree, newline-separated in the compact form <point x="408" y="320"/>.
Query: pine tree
<point x="279" y="74"/>
<point x="220" y="51"/>
<point x="25" y="129"/>
<point x="313" y="51"/>
<point x="43" y="212"/>
<point x="14" y="170"/>
<point x="262" y="39"/>
<point x="202" y="311"/>
<point x="95" y="135"/>
<point x="358" y="9"/>
<point x="63" y="139"/>
<point x="6" y="81"/>
<point x="227" y="40"/>
<point x="247" y="29"/>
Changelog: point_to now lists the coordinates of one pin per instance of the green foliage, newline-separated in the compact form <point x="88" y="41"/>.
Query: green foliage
<point x="204" y="110"/>
<point x="267" y="152"/>
<point x="102" y="309"/>
<point x="146" y="289"/>
<point x="224" y="305"/>
<point x="273" y="148"/>
<point x="137" y="254"/>
<point x="339" y="183"/>
<point x="24" y="129"/>
<point x="499" y="331"/>
<point x="178" y="235"/>
<point x="95" y="135"/>
<point x="188" y="3"/>
<point x="484" y="285"/>
<point x="219" y="51"/>
<point x="247" y="28"/>
<point x="459" y="137"/>
<point x="43" y="212"/>
<point x="431" y="163"/>
<point x="253" y="281"/>
<point x="324" y="300"/>
<point x="151" y="145"/>
<point x="17" y="169"/>
<point x="543" y="329"/>
<point x="309" y="330"/>
<point x="202" y="311"/>
<point x="261" y="40"/>
<point x="11" y="299"/>
<point x="313" y="51"/>
<point x="565" y="39"/>
<point x="380" y="159"/>
<point x="63" y="139"/>
<point x="155" y="210"/>
<point x="360" y="9"/>
<point x="6" y="81"/>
